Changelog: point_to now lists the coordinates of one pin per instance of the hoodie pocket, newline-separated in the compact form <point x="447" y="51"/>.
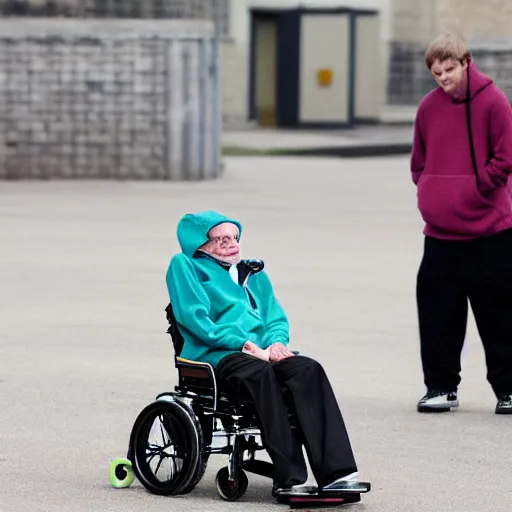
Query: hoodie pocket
<point x="453" y="203"/>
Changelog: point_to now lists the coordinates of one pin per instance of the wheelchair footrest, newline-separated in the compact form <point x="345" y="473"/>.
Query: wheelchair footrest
<point x="259" y="467"/>
<point x="309" y="497"/>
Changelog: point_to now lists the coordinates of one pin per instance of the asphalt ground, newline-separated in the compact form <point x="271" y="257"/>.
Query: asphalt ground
<point x="83" y="346"/>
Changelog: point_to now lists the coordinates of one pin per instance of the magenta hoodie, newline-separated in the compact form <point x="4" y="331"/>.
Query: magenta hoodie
<point x="453" y="203"/>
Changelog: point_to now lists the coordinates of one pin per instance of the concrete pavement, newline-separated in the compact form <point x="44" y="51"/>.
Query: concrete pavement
<point x="83" y="346"/>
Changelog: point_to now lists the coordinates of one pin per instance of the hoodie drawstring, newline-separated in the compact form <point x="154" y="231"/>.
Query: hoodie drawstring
<point x="470" y="131"/>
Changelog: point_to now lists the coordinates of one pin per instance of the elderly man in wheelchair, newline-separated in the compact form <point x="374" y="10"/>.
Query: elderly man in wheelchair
<point x="231" y="339"/>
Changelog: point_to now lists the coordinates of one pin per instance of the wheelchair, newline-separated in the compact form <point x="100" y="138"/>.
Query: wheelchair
<point x="173" y="437"/>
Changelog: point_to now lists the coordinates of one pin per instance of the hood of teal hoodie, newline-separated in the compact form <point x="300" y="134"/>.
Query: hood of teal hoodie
<point x="193" y="229"/>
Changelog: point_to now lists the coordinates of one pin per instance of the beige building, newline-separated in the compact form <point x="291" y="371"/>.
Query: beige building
<point x="321" y="62"/>
<point x="389" y="74"/>
<point x="305" y="63"/>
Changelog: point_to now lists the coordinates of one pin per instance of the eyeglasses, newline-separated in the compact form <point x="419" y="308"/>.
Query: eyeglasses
<point x="223" y="240"/>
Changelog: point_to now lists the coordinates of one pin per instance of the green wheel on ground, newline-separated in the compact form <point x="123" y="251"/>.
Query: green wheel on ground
<point x="121" y="473"/>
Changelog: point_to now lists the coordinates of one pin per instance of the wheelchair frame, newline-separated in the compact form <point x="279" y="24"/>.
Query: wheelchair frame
<point x="223" y="425"/>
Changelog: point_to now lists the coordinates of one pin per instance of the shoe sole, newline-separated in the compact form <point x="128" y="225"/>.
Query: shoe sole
<point x="438" y="408"/>
<point x="362" y="489"/>
<point x="503" y="411"/>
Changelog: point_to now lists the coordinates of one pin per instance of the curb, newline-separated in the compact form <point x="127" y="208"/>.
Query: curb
<point x="367" y="150"/>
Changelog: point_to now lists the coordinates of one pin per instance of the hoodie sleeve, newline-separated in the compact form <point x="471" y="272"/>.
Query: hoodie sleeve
<point x="277" y="328"/>
<point x="191" y="306"/>
<point x="418" y="156"/>
<point x="500" y="135"/>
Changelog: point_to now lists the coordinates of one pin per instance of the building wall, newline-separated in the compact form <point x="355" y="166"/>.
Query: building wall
<point x="420" y="20"/>
<point x="233" y="17"/>
<point x="475" y="19"/>
<point x="486" y="26"/>
<point x="412" y="20"/>
<point x="131" y="99"/>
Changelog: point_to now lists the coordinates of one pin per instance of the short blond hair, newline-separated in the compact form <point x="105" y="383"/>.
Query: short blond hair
<point x="447" y="46"/>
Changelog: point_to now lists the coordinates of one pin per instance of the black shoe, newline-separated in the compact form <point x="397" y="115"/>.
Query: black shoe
<point x="504" y="405"/>
<point x="438" y="401"/>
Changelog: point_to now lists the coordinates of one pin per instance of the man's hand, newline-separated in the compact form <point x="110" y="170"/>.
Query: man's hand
<point x="278" y="352"/>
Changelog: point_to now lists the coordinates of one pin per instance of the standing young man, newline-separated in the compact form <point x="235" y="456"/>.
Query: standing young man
<point x="461" y="162"/>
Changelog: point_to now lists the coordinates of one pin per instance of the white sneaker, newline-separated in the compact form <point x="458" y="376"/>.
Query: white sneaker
<point x="304" y="489"/>
<point x="438" y="401"/>
<point x="348" y="484"/>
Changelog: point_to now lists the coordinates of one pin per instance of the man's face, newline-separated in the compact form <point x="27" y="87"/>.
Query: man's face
<point x="448" y="74"/>
<point x="223" y="243"/>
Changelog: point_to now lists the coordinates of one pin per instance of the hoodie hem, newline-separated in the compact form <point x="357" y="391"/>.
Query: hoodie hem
<point x="432" y="232"/>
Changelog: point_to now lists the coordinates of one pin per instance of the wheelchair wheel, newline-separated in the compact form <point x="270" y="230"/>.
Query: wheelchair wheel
<point x="165" y="448"/>
<point x="231" y="490"/>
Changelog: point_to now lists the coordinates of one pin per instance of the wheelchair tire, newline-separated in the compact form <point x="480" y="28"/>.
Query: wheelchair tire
<point x="180" y="452"/>
<point x="203" y="458"/>
<point x="231" y="490"/>
<point x="200" y="471"/>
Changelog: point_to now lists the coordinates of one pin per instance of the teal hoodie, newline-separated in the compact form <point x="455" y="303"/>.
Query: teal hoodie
<point x="214" y="314"/>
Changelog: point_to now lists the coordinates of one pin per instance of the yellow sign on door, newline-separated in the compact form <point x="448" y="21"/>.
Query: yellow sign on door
<point x="324" y="77"/>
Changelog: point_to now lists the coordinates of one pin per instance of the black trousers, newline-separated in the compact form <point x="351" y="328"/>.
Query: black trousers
<point x="301" y="383"/>
<point x="451" y="274"/>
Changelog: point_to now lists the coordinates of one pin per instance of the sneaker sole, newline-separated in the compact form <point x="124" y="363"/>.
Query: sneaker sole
<point x="503" y="411"/>
<point x="438" y="408"/>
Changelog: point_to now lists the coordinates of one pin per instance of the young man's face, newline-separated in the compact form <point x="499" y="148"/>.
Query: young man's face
<point x="448" y="74"/>
<point x="223" y="243"/>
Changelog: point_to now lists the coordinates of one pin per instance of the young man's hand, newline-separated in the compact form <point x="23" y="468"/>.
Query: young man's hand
<point x="278" y="352"/>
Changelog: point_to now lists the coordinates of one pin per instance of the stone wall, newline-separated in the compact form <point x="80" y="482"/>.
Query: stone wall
<point x="422" y="20"/>
<point x="108" y="99"/>
<point x="217" y="10"/>
<point x="475" y="19"/>
<point x="235" y="80"/>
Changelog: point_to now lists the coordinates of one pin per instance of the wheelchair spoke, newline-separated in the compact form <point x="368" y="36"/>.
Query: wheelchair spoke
<point x="161" y="452"/>
<point x="151" y="457"/>
<point x="159" y="464"/>
<point x="156" y="447"/>
<point x="166" y="426"/>
<point x="169" y="452"/>
<point x="173" y="466"/>
<point x="160" y="418"/>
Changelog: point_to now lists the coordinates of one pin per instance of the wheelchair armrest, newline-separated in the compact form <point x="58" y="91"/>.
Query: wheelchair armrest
<point x="194" y="368"/>
<point x="197" y="377"/>
<point x="181" y="362"/>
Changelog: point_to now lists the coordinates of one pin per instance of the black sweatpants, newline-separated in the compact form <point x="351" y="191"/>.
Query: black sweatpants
<point x="450" y="274"/>
<point x="302" y="383"/>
